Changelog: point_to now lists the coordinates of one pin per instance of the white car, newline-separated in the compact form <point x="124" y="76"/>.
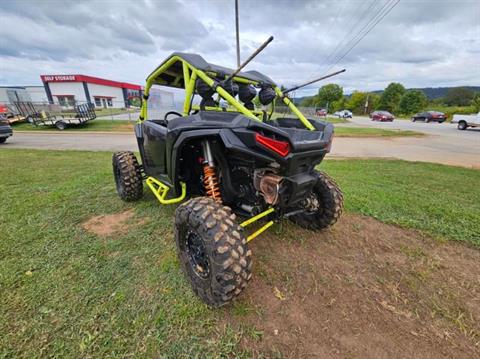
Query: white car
<point x="465" y="121"/>
<point x="343" y="114"/>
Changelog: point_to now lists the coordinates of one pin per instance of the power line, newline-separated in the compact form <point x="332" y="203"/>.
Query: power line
<point x="379" y="17"/>
<point x="350" y="31"/>
<point x="364" y="31"/>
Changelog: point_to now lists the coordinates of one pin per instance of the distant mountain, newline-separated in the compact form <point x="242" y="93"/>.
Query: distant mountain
<point x="433" y="93"/>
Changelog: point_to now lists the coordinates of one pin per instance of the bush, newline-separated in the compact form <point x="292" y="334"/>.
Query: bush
<point x="412" y="101"/>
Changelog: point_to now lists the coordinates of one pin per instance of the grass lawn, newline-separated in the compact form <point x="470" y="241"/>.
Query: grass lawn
<point x="68" y="293"/>
<point x="95" y="126"/>
<point x="373" y="132"/>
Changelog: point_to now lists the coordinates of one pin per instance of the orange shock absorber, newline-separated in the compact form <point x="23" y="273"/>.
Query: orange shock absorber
<point x="210" y="181"/>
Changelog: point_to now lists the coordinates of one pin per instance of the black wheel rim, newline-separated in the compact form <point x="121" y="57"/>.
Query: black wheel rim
<point x="197" y="256"/>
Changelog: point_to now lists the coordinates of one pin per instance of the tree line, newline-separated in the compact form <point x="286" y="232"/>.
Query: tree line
<point x="394" y="98"/>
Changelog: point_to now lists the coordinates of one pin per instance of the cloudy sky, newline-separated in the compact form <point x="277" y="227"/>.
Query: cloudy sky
<point x="419" y="43"/>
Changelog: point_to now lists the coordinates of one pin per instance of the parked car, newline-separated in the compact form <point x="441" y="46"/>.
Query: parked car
<point x="5" y="129"/>
<point x="465" y="121"/>
<point x="322" y="112"/>
<point x="343" y="114"/>
<point x="428" y="116"/>
<point x="381" y="116"/>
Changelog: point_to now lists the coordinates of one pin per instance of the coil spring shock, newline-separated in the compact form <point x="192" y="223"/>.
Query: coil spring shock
<point x="210" y="181"/>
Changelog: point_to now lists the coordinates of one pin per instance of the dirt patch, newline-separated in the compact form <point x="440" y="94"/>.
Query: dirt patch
<point x="106" y="225"/>
<point x="361" y="289"/>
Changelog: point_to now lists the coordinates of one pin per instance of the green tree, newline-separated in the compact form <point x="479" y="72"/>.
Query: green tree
<point x="356" y="103"/>
<point x="412" y="101"/>
<point x="373" y="102"/>
<point x="476" y="101"/>
<point x="391" y="97"/>
<point x="459" y="96"/>
<point x="308" y="101"/>
<point x="338" y="105"/>
<point x="329" y="93"/>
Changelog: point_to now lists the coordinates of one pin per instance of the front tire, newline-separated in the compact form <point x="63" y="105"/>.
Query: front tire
<point x="323" y="206"/>
<point x="128" y="176"/>
<point x="212" y="250"/>
<point x="3" y="139"/>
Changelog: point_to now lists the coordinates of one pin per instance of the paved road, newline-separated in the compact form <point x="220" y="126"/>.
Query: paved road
<point x="444" y="143"/>
<point x="73" y="141"/>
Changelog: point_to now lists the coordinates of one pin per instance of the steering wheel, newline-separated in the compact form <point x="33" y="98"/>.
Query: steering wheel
<point x="171" y="113"/>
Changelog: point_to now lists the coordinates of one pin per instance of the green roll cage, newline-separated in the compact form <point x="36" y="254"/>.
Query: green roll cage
<point x="186" y="78"/>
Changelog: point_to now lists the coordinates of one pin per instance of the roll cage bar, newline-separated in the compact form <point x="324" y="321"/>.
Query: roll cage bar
<point x="186" y="77"/>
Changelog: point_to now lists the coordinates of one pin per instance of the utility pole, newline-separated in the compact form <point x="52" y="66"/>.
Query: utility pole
<point x="237" y="28"/>
<point x="366" y="104"/>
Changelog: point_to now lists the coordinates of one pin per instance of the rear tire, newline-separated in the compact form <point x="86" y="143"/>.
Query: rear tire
<point x="212" y="250"/>
<point x="3" y="139"/>
<point x="462" y="125"/>
<point x="326" y="200"/>
<point x="128" y="176"/>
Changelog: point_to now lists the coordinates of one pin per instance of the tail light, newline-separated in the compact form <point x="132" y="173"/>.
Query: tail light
<point x="280" y="147"/>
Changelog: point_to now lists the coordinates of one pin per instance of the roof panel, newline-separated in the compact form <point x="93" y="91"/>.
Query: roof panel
<point x="199" y="62"/>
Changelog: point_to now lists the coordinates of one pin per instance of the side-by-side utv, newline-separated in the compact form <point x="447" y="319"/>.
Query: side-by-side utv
<point x="231" y="160"/>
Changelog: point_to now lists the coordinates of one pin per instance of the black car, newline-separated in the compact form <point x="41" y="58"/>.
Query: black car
<point x="428" y="116"/>
<point x="5" y="129"/>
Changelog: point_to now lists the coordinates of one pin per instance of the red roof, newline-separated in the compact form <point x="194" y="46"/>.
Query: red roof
<point x="89" y="79"/>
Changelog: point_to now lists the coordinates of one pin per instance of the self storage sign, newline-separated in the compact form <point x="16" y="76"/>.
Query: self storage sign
<point x="59" y="78"/>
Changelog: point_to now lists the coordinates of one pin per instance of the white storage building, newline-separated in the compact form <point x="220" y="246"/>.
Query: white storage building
<point x="68" y="90"/>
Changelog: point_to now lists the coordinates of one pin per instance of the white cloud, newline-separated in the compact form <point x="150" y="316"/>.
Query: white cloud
<point x="420" y="43"/>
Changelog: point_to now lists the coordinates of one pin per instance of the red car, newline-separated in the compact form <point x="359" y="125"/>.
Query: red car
<point x="322" y="112"/>
<point x="381" y="116"/>
<point x="430" y="116"/>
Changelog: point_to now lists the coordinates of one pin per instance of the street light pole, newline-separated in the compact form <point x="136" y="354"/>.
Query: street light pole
<point x="237" y="26"/>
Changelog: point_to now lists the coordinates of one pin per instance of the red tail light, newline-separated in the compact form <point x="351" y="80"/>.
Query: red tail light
<point x="280" y="147"/>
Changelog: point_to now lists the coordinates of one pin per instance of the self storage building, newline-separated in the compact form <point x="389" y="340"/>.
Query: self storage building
<point x="68" y="90"/>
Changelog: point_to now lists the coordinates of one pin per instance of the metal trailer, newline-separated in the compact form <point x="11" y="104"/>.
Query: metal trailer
<point x="82" y="114"/>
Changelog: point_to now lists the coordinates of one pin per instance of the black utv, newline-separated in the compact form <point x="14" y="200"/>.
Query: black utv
<point x="230" y="160"/>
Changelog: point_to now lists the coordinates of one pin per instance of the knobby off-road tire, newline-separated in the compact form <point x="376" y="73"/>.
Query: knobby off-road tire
<point x="330" y="205"/>
<point x="212" y="250"/>
<point x="128" y="176"/>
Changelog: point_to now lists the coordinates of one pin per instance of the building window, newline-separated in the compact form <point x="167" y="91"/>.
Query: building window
<point x="98" y="102"/>
<point x="67" y="101"/>
<point x="109" y="102"/>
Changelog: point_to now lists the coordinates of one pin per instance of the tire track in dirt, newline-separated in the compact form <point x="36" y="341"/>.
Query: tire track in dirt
<point x="361" y="289"/>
